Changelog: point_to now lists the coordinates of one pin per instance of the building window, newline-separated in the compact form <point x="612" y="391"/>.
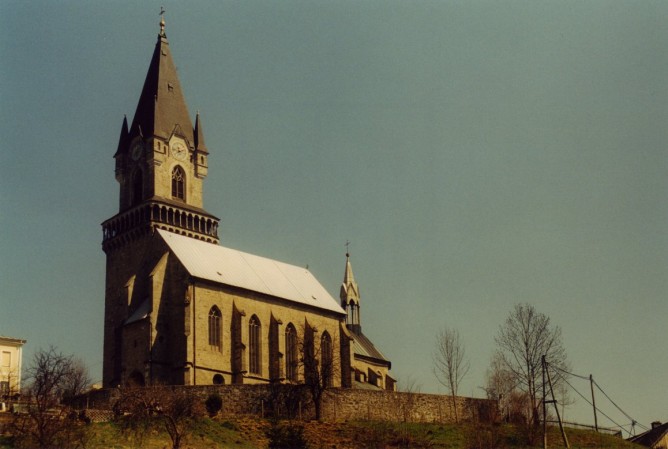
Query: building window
<point x="291" y="353"/>
<point x="326" y="359"/>
<point x="215" y="318"/>
<point x="137" y="186"/>
<point x="218" y="379"/>
<point x="254" y="346"/>
<point x="178" y="183"/>
<point x="6" y="359"/>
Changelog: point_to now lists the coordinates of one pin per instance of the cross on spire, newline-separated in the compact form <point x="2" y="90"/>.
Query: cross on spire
<point x="347" y="248"/>
<point x="162" y="21"/>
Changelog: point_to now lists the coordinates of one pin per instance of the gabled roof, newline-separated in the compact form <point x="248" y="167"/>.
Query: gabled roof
<point x="162" y="108"/>
<point x="255" y="273"/>
<point x="364" y="347"/>
<point x="651" y="437"/>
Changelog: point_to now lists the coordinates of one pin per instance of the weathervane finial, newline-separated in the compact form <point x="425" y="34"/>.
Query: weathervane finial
<point x="347" y="248"/>
<point x="162" y="21"/>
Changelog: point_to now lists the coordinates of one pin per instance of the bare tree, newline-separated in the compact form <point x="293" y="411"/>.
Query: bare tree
<point x="409" y="389"/>
<point x="501" y="386"/>
<point x="47" y="423"/>
<point x="78" y="380"/>
<point x="320" y="363"/>
<point x="174" y="409"/>
<point x="523" y="339"/>
<point x="450" y="363"/>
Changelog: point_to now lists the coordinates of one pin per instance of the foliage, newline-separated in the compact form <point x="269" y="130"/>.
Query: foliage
<point x="450" y="363"/>
<point x="213" y="404"/>
<point x="286" y="436"/>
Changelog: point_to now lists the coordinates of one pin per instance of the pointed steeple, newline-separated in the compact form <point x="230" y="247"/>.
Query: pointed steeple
<point x="162" y="108"/>
<point x="350" y="297"/>
<point x="199" y="136"/>
<point x="123" y="139"/>
<point x="348" y="277"/>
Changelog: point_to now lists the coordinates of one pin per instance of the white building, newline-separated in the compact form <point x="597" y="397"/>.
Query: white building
<point x="11" y="350"/>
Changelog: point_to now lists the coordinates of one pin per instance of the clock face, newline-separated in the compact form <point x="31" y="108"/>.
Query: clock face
<point x="179" y="151"/>
<point x="137" y="151"/>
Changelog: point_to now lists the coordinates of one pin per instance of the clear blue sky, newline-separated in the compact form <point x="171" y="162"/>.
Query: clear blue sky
<point x="477" y="154"/>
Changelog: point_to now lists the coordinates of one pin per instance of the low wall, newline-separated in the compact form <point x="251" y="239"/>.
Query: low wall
<point x="339" y="404"/>
<point x="350" y="404"/>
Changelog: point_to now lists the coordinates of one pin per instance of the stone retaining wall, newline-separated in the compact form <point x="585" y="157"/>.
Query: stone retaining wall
<point x="339" y="404"/>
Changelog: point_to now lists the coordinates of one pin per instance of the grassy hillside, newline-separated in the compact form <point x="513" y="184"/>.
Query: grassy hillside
<point x="248" y="433"/>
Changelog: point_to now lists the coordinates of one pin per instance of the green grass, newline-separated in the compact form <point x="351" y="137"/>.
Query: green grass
<point x="249" y="433"/>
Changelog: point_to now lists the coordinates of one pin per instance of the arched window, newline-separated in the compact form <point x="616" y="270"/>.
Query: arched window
<point x="218" y="379"/>
<point x="351" y="312"/>
<point x="215" y="318"/>
<point x="137" y="186"/>
<point x="326" y="359"/>
<point x="136" y="379"/>
<point x="291" y="353"/>
<point x="254" y="345"/>
<point x="178" y="183"/>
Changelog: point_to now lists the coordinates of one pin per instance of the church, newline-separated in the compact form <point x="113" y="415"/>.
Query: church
<point x="180" y="309"/>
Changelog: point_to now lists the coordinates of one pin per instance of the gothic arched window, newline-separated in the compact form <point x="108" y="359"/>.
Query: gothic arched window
<point x="254" y="345"/>
<point x="178" y="183"/>
<point x="326" y="359"/>
<point x="137" y="186"/>
<point x="215" y="318"/>
<point x="291" y="353"/>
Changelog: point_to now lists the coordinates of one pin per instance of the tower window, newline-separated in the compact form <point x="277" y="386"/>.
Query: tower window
<point x="254" y="344"/>
<point x="137" y="186"/>
<point x="178" y="183"/>
<point x="291" y="353"/>
<point x="215" y="318"/>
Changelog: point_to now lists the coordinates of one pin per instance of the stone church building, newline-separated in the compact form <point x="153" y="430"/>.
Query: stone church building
<point x="181" y="309"/>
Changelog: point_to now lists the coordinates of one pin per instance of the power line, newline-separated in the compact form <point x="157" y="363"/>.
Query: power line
<point x="618" y="408"/>
<point x="589" y="402"/>
<point x="561" y="372"/>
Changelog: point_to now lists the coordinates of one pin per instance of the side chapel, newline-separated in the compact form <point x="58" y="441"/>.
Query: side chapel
<point x="182" y="310"/>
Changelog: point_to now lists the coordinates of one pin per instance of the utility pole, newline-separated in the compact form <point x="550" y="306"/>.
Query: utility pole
<point x="556" y="409"/>
<point x="542" y="365"/>
<point x="593" y="401"/>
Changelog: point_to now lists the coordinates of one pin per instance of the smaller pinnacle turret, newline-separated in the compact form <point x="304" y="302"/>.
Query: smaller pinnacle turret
<point x="199" y="135"/>
<point x="350" y="296"/>
<point x="123" y="139"/>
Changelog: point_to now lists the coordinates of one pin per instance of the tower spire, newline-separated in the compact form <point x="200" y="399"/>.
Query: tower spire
<point x="162" y="110"/>
<point x="350" y="296"/>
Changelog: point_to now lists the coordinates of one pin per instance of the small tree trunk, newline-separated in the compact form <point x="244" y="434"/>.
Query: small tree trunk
<point x="318" y="404"/>
<point x="454" y="406"/>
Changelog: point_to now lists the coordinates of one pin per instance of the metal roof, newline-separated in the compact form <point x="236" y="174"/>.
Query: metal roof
<point x="364" y="347"/>
<point x="255" y="273"/>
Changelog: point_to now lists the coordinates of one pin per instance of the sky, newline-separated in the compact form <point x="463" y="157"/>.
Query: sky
<point x="476" y="154"/>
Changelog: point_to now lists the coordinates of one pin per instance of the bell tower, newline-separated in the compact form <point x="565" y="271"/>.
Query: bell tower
<point x="350" y="298"/>
<point x="161" y="163"/>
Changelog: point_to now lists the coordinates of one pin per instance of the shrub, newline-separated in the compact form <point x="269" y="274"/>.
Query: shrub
<point x="286" y="436"/>
<point x="213" y="404"/>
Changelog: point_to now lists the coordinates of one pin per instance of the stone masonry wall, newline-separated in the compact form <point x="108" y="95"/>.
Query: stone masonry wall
<point x="339" y="404"/>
